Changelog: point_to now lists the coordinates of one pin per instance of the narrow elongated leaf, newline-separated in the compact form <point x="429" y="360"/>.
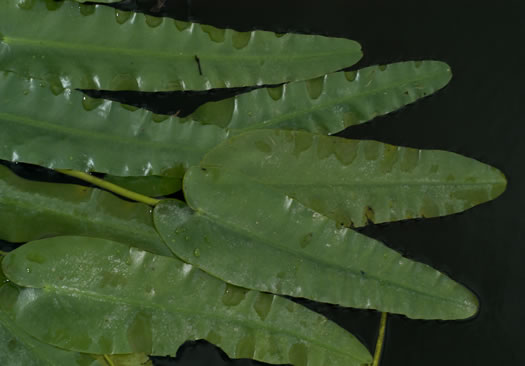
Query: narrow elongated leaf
<point x="355" y="182"/>
<point x="103" y="48"/>
<point x="72" y="131"/>
<point x="17" y="348"/>
<point x="31" y="210"/>
<point x="126" y="300"/>
<point x="331" y="103"/>
<point x="151" y="185"/>
<point x="256" y="237"/>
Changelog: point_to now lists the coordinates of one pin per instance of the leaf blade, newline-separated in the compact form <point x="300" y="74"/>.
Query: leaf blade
<point x="139" y="303"/>
<point x="97" y="135"/>
<point x="31" y="210"/>
<point x="17" y="348"/>
<point x="329" y="104"/>
<point x="304" y="253"/>
<point x="156" y="54"/>
<point x="357" y="181"/>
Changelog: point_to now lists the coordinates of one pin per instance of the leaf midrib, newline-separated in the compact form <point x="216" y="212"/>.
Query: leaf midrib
<point x="355" y="272"/>
<point x="388" y="183"/>
<point x="160" y="54"/>
<point x="44" y="125"/>
<point x="323" y="106"/>
<point x="175" y="311"/>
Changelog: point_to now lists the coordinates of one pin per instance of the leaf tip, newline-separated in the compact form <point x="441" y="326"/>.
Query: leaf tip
<point x="471" y="307"/>
<point x="498" y="184"/>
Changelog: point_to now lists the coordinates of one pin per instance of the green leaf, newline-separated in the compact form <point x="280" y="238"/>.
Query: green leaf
<point x="330" y="103"/>
<point x="17" y="348"/>
<point x="134" y="359"/>
<point x="355" y="182"/>
<point x="151" y="185"/>
<point x="134" y="301"/>
<point x="110" y="49"/>
<point x="256" y="237"/>
<point x="32" y="210"/>
<point x="72" y="131"/>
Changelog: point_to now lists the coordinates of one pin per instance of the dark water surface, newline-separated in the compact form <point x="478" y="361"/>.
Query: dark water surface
<point x="479" y="114"/>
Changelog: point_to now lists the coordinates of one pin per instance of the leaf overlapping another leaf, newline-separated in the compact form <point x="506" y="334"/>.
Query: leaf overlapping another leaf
<point x="104" y="48"/>
<point x="355" y="182"/>
<point x="134" y="301"/>
<point x="237" y="224"/>
<point x="272" y="196"/>
<point x="330" y="103"/>
<point x="73" y="133"/>
<point x="31" y="210"/>
<point x="18" y="348"/>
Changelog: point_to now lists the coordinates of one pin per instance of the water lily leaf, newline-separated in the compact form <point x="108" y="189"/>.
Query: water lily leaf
<point x="151" y="185"/>
<point x="134" y="301"/>
<point x="17" y="348"/>
<point x="31" y="210"/>
<point x="355" y="182"/>
<point x="256" y="237"/>
<point x="103" y="48"/>
<point x="330" y="103"/>
<point x="72" y="131"/>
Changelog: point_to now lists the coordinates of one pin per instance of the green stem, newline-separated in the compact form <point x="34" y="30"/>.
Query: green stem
<point x="110" y="187"/>
<point x="2" y="253"/>
<point x="108" y="360"/>
<point x="380" y="340"/>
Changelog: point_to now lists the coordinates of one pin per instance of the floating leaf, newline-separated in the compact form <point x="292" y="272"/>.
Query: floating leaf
<point x="17" y="348"/>
<point x="134" y="301"/>
<point x="330" y="103"/>
<point x="355" y="182"/>
<point x="32" y="210"/>
<point x="256" y="237"/>
<point x="72" y="131"/>
<point x="110" y="49"/>
<point x="151" y="185"/>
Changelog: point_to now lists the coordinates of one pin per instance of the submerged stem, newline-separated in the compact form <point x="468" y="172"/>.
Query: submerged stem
<point x="380" y="340"/>
<point x="110" y="187"/>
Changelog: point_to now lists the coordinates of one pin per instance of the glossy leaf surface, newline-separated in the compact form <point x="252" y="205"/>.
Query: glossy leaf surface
<point x="356" y="182"/>
<point x="103" y="48"/>
<point x="31" y="210"/>
<point x="151" y="185"/>
<point x="72" y="131"/>
<point x="256" y="237"/>
<point x="134" y="301"/>
<point x="17" y="348"/>
<point x="331" y="103"/>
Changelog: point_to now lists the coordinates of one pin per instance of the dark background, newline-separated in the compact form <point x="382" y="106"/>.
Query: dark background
<point x="477" y="115"/>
